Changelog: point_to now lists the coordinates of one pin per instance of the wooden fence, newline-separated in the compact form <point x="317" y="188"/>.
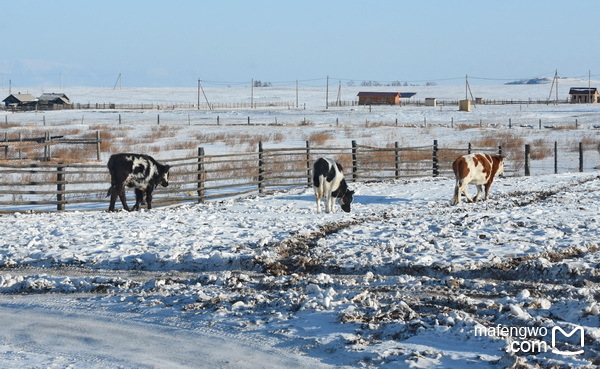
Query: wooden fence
<point x="202" y="177"/>
<point x="49" y="148"/>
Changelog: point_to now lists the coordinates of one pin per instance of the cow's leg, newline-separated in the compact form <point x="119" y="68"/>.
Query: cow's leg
<point x="149" y="198"/>
<point x="113" y="191"/>
<point x="479" y="192"/>
<point x="487" y="189"/>
<point x="117" y="190"/>
<point x="139" y="197"/>
<point x="463" y="189"/>
<point x="123" y="198"/>
<point x="318" y="195"/>
<point x="327" y="202"/>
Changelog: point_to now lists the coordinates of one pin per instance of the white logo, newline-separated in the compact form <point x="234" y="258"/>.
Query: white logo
<point x="570" y="353"/>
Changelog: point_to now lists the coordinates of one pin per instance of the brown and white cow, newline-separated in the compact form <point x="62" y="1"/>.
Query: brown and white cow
<point x="478" y="169"/>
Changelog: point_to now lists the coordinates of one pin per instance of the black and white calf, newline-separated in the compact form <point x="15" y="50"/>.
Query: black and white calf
<point x="328" y="181"/>
<point x="135" y="170"/>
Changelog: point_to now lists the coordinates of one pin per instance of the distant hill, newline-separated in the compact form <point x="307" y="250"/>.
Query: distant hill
<point x="531" y="81"/>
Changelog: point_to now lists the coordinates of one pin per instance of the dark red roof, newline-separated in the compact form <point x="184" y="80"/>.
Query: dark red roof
<point x="386" y="94"/>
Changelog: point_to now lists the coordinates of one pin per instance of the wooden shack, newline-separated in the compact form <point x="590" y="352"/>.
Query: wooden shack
<point x="20" y="101"/>
<point x="382" y="98"/>
<point x="54" y="101"/>
<point x="584" y="95"/>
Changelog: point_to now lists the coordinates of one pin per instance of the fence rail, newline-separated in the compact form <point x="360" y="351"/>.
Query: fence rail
<point x="49" y="148"/>
<point x="50" y="186"/>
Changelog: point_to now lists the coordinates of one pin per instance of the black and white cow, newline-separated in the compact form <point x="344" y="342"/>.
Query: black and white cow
<point x="135" y="170"/>
<point x="328" y="181"/>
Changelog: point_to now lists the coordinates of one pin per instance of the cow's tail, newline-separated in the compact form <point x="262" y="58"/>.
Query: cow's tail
<point x="456" y="197"/>
<point x="110" y="190"/>
<point x="316" y="180"/>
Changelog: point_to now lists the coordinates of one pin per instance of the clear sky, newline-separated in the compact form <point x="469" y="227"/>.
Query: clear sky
<point x="175" y="43"/>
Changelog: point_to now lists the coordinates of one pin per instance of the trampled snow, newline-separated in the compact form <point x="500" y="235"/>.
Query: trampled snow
<point x="404" y="280"/>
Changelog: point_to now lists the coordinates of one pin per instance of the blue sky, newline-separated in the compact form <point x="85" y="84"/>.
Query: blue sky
<point x="175" y="43"/>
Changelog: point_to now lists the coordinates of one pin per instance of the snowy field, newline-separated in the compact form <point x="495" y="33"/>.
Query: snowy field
<point x="403" y="281"/>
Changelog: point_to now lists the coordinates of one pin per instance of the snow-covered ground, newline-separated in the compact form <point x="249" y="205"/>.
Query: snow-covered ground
<point x="404" y="280"/>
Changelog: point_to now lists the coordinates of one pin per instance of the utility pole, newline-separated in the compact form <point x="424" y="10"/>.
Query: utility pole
<point x="554" y="81"/>
<point x="252" y="93"/>
<point x="117" y="82"/>
<point x="206" y="98"/>
<point x="468" y="90"/>
<point x="327" y="94"/>
<point x="296" y="94"/>
<point x="589" y="87"/>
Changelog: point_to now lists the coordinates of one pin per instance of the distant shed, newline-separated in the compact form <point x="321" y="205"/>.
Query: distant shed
<point x="382" y="98"/>
<point x="20" y="101"/>
<point x="583" y="95"/>
<point x="52" y="101"/>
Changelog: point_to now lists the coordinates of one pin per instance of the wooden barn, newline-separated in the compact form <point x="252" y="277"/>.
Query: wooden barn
<point x="20" y="101"/>
<point x="584" y="95"/>
<point x="54" y="101"/>
<point x="382" y="98"/>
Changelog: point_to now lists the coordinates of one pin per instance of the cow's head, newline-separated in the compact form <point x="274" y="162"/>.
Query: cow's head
<point x="346" y="200"/>
<point x="500" y="165"/>
<point x="164" y="175"/>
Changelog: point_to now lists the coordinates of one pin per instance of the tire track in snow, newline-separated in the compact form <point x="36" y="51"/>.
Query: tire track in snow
<point x="295" y="253"/>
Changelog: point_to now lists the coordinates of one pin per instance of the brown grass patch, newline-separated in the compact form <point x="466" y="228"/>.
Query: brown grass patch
<point x="320" y="138"/>
<point x="541" y="149"/>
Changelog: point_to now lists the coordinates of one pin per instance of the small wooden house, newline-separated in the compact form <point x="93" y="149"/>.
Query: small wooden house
<point x="584" y="95"/>
<point x="20" y="101"/>
<point x="53" y="101"/>
<point x="382" y="98"/>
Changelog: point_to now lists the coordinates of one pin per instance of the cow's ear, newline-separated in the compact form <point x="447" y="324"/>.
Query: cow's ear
<point x="167" y="167"/>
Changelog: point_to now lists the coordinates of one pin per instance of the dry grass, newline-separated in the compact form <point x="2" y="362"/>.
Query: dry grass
<point x="512" y="147"/>
<point x="591" y="143"/>
<point x="320" y="138"/>
<point x="541" y="149"/>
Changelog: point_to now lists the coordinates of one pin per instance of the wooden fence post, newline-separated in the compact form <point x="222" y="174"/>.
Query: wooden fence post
<point x="201" y="174"/>
<point x="354" y="161"/>
<point x="527" y="155"/>
<point x="397" y="159"/>
<point x="60" y="187"/>
<point x="47" y="146"/>
<point x="555" y="157"/>
<point x="436" y="168"/>
<point x="261" y="170"/>
<point x="308" y="166"/>
<point x="98" y="145"/>
<point x="581" y="156"/>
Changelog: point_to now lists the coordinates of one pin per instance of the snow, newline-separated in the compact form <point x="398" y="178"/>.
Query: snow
<point x="404" y="280"/>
